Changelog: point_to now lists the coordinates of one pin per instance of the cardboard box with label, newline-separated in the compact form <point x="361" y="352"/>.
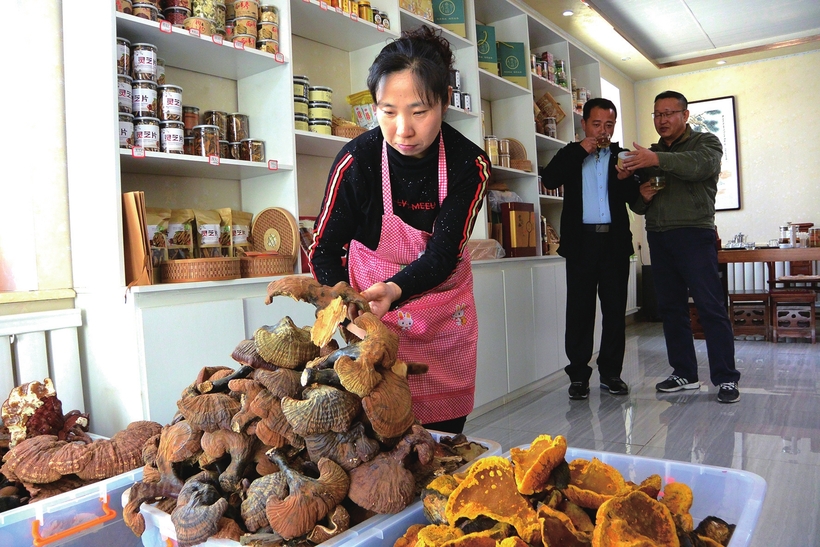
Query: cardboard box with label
<point x="449" y="14"/>
<point x="487" y="53"/>
<point x="518" y="229"/>
<point x="422" y="8"/>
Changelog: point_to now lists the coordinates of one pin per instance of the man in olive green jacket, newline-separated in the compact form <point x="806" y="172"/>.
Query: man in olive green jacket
<point x="680" y="225"/>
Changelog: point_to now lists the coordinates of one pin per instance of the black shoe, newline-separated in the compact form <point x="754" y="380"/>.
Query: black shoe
<point x="676" y="383"/>
<point x="728" y="393"/>
<point x="578" y="390"/>
<point x="616" y="386"/>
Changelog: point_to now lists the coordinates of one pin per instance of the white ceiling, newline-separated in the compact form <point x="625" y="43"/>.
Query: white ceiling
<point x="652" y="38"/>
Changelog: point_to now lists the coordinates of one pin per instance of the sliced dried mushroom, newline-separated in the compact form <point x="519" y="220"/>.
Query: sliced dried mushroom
<point x="209" y="411"/>
<point x="323" y="409"/>
<point x="348" y="448"/>
<point x="308" y="500"/>
<point x="285" y="344"/>
<point x="199" y="510"/>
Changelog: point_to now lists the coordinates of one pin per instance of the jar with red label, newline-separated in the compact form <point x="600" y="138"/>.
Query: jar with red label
<point x="204" y="26"/>
<point x="204" y="8"/>
<point x="247" y="40"/>
<point x="126" y="130"/>
<point x="124" y="89"/>
<point x="144" y="61"/>
<point x="144" y="99"/>
<point x="176" y="16"/>
<point x="245" y="25"/>
<point x="268" y="46"/>
<point x="268" y="31"/>
<point x="206" y="140"/>
<point x="190" y="118"/>
<point x="172" y="137"/>
<point x="219" y="119"/>
<point x="269" y="13"/>
<point x="169" y="100"/>
<point x="246" y="8"/>
<point x="219" y="21"/>
<point x="237" y="127"/>
<point x="146" y="133"/>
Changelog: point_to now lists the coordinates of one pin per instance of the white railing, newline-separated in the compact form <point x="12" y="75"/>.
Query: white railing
<point x="35" y="346"/>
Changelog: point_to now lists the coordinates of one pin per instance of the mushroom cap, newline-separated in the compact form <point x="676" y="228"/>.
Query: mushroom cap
<point x="273" y="428"/>
<point x="327" y="320"/>
<point x="29" y="460"/>
<point x="382" y="485"/>
<point x="592" y="482"/>
<point x="209" y="411"/>
<point x="247" y="389"/>
<point x="308" y="500"/>
<point x="285" y="344"/>
<point x="489" y="489"/>
<point x="22" y="403"/>
<point x="282" y="382"/>
<point x="678" y="497"/>
<point x="356" y="376"/>
<point x="198" y="511"/>
<point x="261" y="489"/>
<point x="323" y="409"/>
<point x="380" y="346"/>
<point x="534" y="464"/>
<point x="389" y="407"/>
<point x="338" y="522"/>
<point x="634" y="519"/>
<point x="558" y="529"/>
<point x="247" y="354"/>
<point x="348" y="448"/>
<point x="237" y="445"/>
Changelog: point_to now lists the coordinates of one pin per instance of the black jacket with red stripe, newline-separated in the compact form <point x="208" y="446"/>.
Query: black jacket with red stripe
<point x="352" y="207"/>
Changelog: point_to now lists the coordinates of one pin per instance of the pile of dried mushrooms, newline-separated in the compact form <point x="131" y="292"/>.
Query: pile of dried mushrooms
<point x="537" y="498"/>
<point x="301" y="441"/>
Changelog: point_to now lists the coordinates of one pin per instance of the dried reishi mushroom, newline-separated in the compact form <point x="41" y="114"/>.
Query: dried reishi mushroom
<point x="199" y="510"/>
<point x="389" y="407"/>
<point x="579" y="517"/>
<point x="247" y="389"/>
<point x="308" y="500"/>
<point x="273" y="428"/>
<point x="222" y="383"/>
<point x="209" y="411"/>
<point x="247" y="354"/>
<point x="489" y="489"/>
<point x="29" y="460"/>
<point x="716" y="529"/>
<point x="143" y="492"/>
<point x="282" y="382"/>
<point x="533" y="465"/>
<point x="348" y="448"/>
<point x="384" y="484"/>
<point x="327" y="319"/>
<point x="678" y="497"/>
<point x="380" y="346"/>
<point x="355" y="376"/>
<point x="323" y="409"/>
<point x="285" y="344"/>
<point x="338" y="521"/>
<point x="436" y="534"/>
<point x="274" y="485"/>
<point x="23" y="402"/>
<point x="238" y="446"/>
<point x="307" y="289"/>
<point x="558" y="529"/>
<point x="593" y="482"/>
<point x="434" y="498"/>
<point x="178" y="443"/>
<point x="634" y="519"/>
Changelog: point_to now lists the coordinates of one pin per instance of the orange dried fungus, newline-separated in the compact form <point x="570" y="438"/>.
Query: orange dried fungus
<point x="490" y="490"/>
<point x="634" y="520"/>
<point x="533" y="465"/>
<point x="593" y="482"/>
<point x="678" y="497"/>
<point x="558" y="529"/>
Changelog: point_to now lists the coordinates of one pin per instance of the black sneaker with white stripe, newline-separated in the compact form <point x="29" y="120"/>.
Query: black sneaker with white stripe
<point x="728" y="393"/>
<point x="676" y="383"/>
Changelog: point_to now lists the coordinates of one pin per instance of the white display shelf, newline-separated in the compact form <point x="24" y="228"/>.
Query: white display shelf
<point x="550" y="199"/>
<point x="494" y="88"/>
<point x="314" y="144"/>
<point x="183" y="165"/>
<point x="411" y="21"/>
<point x="321" y="23"/>
<point x="507" y="173"/>
<point x="544" y="143"/>
<point x="542" y="85"/>
<point x="197" y="53"/>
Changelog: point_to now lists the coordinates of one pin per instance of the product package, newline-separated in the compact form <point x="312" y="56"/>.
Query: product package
<point x="449" y="14"/>
<point x="207" y="233"/>
<point x="487" y="52"/>
<point x="156" y="219"/>
<point x="181" y="234"/>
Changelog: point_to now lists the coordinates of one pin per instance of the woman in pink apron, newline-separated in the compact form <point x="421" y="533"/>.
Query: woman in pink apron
<point x="400" y="204"/>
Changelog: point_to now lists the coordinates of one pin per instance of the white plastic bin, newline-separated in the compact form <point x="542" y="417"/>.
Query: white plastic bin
<point x="735" y="496"/>
<point x="84" y="517"/>
<point x="160" y="532"/>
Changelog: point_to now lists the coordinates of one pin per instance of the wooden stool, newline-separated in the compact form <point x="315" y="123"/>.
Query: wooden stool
<point x="793" y="314"/>
<point x="750" y="313"/>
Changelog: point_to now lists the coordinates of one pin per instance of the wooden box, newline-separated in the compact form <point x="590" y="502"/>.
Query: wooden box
<point x="518" y="229"/>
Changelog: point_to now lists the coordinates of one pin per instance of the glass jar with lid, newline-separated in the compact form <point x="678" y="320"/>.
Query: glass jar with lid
<point x="172" y="137"/>
<point x="206" y="140"/>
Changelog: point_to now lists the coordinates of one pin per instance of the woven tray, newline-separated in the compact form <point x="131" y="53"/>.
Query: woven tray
<point x="523" y="165"/>
<point x="517" y="150"/>
<point x="265" y="266"/>
<point x="199" y="269"/>
<point x="275" y="229"/>
<point x="348" y="131"/>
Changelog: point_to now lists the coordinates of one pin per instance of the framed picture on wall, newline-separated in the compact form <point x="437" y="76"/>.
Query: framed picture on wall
<point x="717" y="116"/>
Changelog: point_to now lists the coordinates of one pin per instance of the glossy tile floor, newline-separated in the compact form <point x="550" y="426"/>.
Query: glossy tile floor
<point x="773" y="431"/>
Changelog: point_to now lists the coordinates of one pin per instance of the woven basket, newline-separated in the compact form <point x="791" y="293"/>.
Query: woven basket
<point x="523" y="165"/>
<point x="275" y="229"/>
<point x="199" y="269"/>
<point x="265" y="266"/>
<point x="348" y="131"/>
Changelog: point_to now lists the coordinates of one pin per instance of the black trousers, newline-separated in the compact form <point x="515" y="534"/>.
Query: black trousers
<point x="599" y="271"/>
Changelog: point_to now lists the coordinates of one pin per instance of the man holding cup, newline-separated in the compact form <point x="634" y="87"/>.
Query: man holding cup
<point x="597" y="244"/>
<point x="680" y="226"/>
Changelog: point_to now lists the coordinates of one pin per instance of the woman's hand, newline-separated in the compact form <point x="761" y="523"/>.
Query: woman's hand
<point x="380" y="296"/>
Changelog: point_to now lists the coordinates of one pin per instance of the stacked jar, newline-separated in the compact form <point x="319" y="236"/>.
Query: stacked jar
<point x="172" y="128"/>
<point x="144" y="95"/>
<point x="176" y="11"/>
<point x="301" y="89"/>
<point x="206" y="16"/>
<point x="268" y="34"/>
<point x="320" y="110"/>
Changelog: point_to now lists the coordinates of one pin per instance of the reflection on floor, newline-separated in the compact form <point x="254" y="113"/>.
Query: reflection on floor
<point x="773" y="431"/>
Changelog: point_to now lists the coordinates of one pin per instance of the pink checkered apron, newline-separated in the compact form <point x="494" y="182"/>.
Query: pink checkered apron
<point x="440" y="327"/>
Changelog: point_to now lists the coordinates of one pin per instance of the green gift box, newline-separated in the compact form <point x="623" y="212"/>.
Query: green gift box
<point x="487" y="52"/>
<point x="449" y="14"/>
<point x="512" y="62"/>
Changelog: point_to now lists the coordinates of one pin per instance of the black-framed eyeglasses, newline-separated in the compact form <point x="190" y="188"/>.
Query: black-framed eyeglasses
<point x="665" y="115"/>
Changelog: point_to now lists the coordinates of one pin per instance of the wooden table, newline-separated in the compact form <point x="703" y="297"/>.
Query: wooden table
<point x="769" y="256"/>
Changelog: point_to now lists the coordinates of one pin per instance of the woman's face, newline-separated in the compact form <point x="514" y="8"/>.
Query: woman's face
<point x="408" y="124"/>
